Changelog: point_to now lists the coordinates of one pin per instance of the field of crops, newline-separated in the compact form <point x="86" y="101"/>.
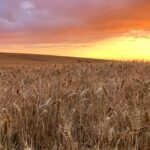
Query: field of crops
<point x="82" y="106"/>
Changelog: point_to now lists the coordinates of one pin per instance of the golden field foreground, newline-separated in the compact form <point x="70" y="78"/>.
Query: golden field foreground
<point x="77" y="106"/>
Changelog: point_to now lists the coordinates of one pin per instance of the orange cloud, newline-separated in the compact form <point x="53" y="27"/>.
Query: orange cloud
<point x="74" y="21"/>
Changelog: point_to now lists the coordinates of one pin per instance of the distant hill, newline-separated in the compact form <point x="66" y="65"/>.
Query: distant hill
<point x="17" y="58"/>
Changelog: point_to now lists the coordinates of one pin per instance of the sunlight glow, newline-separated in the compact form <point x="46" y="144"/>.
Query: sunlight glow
<point x="121" y="48"/>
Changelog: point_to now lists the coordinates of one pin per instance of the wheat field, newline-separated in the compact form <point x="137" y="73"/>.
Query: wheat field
<point x="82" y="106"/>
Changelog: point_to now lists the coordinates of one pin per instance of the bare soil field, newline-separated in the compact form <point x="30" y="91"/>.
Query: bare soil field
<point x="32" y="59"/>
<point x="75" y="106"/>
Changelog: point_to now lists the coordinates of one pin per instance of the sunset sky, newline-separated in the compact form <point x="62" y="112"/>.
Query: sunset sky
<point x="108" y="29"/>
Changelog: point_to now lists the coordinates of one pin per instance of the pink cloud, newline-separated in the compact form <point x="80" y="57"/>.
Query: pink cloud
<point x="38" y="21"/>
